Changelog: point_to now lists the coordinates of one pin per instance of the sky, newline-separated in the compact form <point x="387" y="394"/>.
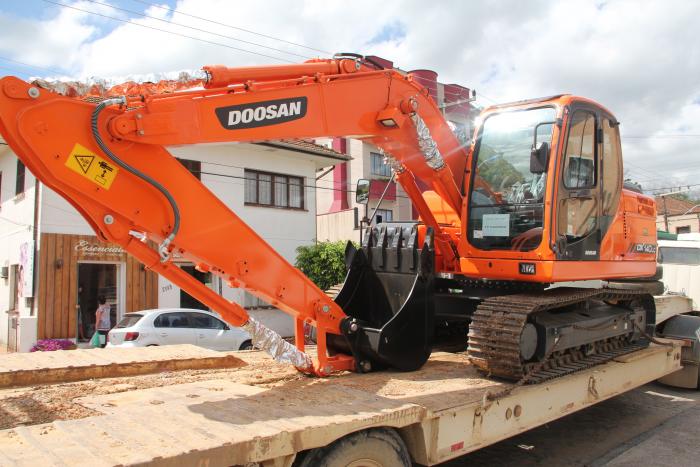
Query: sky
<point x="640" y="59"/>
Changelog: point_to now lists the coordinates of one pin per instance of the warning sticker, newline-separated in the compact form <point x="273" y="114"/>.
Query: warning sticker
<point x="91" y="166"/>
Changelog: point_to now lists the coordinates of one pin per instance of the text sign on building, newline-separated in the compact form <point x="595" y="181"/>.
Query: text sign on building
<point x="86" y="249"/>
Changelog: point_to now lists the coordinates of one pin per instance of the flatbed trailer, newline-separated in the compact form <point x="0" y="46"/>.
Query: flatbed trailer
<point x="264" y="414"/>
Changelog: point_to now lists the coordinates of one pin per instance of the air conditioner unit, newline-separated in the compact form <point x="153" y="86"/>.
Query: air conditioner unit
<point x="4" y="272"/>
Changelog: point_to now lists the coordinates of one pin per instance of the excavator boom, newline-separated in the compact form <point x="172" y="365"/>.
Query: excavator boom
<point x="109" y="161"/>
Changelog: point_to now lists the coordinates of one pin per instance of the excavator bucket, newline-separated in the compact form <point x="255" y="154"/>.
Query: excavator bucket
<point x="388" y="297"/>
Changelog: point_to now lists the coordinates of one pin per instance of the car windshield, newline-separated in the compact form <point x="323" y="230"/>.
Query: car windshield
<point x="507" y="200"/>
<point x="129" y="320"/>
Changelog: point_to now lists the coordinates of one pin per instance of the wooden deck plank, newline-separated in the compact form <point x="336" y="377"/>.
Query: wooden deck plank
<point x="75" y="365"/>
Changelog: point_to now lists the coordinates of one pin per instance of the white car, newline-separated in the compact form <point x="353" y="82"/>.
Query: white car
<point x="177" y="326"/>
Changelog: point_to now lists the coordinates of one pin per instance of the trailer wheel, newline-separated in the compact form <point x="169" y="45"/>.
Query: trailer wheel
<point x="376" y="447"/>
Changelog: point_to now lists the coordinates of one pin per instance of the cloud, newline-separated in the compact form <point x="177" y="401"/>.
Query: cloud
<point x="392" y="32"/>
<point x="641" y="59"/>
<point x="53" y="42"/>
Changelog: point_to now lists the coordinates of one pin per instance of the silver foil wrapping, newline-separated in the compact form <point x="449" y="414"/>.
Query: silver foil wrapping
<point x="460" y="131"/>
<point x="427" y="144"/>
<point x="395" y="165"/>
<point x="282" y="351"/>
<point x="152" y="83"/>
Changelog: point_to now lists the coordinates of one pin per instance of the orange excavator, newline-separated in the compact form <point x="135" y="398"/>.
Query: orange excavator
<point x="537" y="200"/>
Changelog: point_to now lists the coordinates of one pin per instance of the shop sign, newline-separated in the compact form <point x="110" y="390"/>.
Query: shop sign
<point x="85" y="248"/>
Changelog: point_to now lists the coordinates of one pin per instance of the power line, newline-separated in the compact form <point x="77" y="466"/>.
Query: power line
<point x="669" y="135"/>
<point x="167" y="32"/>
<point x="216" y="174"/>
<point x="11" y="70"/>
<point x="195" y="29"/>
<point x="232" y="27"/>
<point x="659" y="176"/>
<point x="680" y="186"/>
<point x="31" y="66"/>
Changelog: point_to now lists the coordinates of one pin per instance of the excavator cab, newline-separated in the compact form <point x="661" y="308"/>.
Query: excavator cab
<point x="545" y="197"/>
<point x="544" y="205"/>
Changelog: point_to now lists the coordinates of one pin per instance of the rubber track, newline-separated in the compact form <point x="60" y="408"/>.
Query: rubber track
<point x="494" y="333"/>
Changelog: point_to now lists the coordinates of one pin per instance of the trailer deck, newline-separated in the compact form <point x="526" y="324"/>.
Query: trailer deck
<point x="22" y="369"/>
<point x="262" y="412"/>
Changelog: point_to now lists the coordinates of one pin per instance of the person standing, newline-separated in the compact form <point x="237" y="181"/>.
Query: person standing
<point x="102" y="319"/>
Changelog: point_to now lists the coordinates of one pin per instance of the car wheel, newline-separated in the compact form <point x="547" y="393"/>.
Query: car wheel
<point x="247" y="345"/>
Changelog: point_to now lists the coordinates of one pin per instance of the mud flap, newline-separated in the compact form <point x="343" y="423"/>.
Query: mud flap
<point x="388" y="297"/>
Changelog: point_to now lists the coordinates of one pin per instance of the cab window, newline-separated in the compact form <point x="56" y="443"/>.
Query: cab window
<point x="579" y="161"/>
<point x="612" y="170"/>
<point x="577" y="215"/>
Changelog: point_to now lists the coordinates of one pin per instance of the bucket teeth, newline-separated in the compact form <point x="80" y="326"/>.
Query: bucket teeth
<point x="388" y="297"/>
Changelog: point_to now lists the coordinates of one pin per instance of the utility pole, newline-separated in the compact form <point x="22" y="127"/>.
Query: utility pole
<point x="663" y="197"/>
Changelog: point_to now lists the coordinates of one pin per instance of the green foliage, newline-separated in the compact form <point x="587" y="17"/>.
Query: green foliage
<point x="323" y="263"/>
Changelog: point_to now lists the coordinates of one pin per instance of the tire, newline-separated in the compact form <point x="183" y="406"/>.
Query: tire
<point x="246" y="345"/>
<point x="376" y="447"/>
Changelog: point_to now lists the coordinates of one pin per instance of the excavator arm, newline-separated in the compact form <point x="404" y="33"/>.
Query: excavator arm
<point x="110" y="162"/>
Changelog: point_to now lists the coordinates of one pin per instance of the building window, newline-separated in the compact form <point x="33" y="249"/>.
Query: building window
<point x="378" y="166"/>
<point x="383" y="215"/>
<point x="195" y="167"/>
<point x="251" y="301"/>
<point x="274" y="190"/>
<point x="19" y="185"/>
<point x="14" y="288"/>
<point x="683" y="229"/>
<point x="612" y="167"/>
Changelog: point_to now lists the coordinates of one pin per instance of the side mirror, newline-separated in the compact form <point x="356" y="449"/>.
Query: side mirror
<point x="226" y="327"/>
<point x="538" y="158"/>
<point x="362" y="191"/>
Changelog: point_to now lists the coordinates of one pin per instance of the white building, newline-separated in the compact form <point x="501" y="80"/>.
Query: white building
<point x="52" y="267"/>
<point x="339" y="215"/>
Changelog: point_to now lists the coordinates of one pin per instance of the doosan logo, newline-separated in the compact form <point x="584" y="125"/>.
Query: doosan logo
<point x="264" y="113"/>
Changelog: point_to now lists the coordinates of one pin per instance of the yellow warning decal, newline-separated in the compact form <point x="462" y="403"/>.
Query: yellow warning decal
<point x="91" y="166"/>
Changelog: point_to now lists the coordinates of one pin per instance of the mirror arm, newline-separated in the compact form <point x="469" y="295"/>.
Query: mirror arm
<point x="381" y="198"/>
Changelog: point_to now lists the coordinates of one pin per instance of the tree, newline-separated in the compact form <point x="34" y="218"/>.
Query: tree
<point x="323" y="263"/>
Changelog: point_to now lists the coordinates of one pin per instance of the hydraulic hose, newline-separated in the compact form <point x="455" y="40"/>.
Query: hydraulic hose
<point x="163" y="247"/>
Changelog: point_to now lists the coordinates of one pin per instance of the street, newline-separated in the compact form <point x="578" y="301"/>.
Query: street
<point x="649" y="426"/>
